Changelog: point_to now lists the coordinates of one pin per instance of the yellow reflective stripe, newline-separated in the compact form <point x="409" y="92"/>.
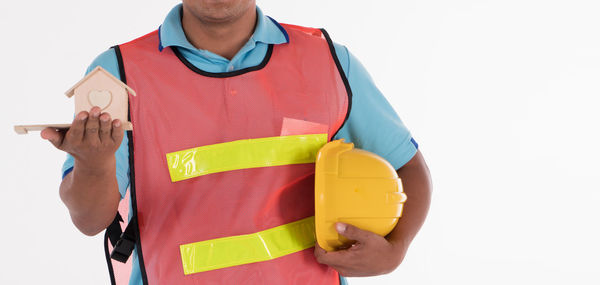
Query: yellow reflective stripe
<point x="241" y="154"/>
<point x="237" y="250"/>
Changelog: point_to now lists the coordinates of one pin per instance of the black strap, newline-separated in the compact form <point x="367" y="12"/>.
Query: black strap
<point x="113" y="231"/>
<point x="125" y="243"/>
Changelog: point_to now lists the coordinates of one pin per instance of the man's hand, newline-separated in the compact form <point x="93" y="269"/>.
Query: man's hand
<point x="90" y="191"/>
<point x="370" y="255"/>
<point x="92" y="139"/>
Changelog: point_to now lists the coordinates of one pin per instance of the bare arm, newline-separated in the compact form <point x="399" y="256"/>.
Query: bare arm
<point x="90" y="191"/>
<point x="417" y="186"/>
<point x="92" y="197"/>
<point x="373" y="254"/>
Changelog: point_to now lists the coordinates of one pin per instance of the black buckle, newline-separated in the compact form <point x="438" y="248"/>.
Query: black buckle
<point x="123" y="249"/>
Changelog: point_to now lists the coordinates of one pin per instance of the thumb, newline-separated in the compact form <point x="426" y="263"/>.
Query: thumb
<point x="54" y="136"/>
<point x="353" y="233"/>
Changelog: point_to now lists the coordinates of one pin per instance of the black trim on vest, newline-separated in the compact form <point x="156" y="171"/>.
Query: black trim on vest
<point x="121" y="67"/>
<point x="224" y="74"/>
<point x="134" y="207"/>
<point x="133" y="225"/>
<point x="113" y="231"/>
<point x="344" y="78"/>
<point x="111" y="272"/>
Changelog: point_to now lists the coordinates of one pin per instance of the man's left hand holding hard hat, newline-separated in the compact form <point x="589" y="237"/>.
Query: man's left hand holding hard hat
<point x="91" y="190"/>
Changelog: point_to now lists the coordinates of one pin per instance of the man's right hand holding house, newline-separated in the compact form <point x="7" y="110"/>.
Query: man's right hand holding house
<point x="90" y="191"/>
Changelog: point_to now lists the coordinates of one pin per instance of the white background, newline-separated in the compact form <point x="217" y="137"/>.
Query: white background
<point x="501" y="95"/>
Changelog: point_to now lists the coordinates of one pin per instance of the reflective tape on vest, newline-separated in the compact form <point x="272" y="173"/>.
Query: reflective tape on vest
<point x="242" y="154"/>
<point x="243" y="249"/>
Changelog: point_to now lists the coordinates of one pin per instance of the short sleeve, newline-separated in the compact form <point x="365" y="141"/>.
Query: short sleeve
<point x="373" y="124"/>
<point x="108" y="61"/>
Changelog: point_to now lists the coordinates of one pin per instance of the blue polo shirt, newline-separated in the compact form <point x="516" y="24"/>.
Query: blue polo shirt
<point x="372" y="125"/>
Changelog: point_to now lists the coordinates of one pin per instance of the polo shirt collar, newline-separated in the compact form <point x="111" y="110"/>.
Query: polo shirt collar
<point x="171" y="32"/>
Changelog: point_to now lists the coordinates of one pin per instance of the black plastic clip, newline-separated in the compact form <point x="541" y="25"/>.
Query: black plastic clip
<point x="123" y="249"/>
<point x="126" y="243"/>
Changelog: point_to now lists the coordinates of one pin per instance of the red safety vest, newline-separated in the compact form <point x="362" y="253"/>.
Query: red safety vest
<point x="223" y="163"/>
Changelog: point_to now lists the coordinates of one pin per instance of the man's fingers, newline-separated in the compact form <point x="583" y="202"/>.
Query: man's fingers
<point x="75" y="133"/>
<point x="54" y="136"/>
<point x="342" y="257"/>
<point x="93" y="126"/>
<point x="105" y="128"/>
<point x="117" y="131"/>
<point x="319" y="251"/>
<point x="333" y="258"/>
<point x="353" y="233"/>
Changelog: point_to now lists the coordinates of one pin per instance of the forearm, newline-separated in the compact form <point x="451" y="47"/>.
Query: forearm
<point x="417" y="186"/>
<point x="92" y="196"/>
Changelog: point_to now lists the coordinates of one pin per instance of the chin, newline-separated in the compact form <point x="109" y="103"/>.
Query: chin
<point x="218" y="10"/>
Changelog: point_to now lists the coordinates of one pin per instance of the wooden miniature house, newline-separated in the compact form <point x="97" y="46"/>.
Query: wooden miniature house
<point x="97" y="88"/>
<point x="102" y="89"/>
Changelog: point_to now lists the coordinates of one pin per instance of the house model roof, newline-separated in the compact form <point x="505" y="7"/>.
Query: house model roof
<point x="95" y="72"/>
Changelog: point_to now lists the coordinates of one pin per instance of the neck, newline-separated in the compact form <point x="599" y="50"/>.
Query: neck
<point x="224" y="38"/>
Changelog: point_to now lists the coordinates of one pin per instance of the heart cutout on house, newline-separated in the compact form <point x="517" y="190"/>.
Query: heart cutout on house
<point x="100" y="98"/>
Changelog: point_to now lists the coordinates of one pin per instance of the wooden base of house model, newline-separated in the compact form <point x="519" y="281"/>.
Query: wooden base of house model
<point x="97" y="89"/>
<point x="25" y="129"/>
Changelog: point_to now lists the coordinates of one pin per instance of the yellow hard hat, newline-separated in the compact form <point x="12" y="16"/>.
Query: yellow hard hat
<point x="356" y="187"/>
